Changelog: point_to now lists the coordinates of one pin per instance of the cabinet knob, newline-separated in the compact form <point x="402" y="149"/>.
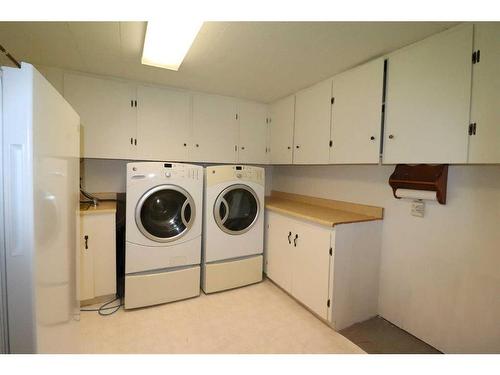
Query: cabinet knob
<point x="297" y="146"/>
<point x="289" y="147"/>
<point x="197" y="145"/>
<point x="242" y="147"/>
<point x="391" y="136"/>
<point x="372" y="138"/>
<point x="185" y="144"/>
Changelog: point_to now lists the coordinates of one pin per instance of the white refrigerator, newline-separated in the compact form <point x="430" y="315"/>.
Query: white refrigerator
<point x="39" y="215"/>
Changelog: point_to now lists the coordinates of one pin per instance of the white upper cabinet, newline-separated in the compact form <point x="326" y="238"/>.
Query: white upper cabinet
<point x="484" y="142"/>
<point x="163" y="124"/>
<point x="107" y="114"/>
<point x="281" y="130"/>
<point x="215" y="129"/>
<point x="253" y="118"/>
<point x="428" y="100"/>
<point x="312" y="124"/>
<point x="357" y="114"/>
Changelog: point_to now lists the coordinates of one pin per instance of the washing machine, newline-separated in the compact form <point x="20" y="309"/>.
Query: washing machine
<point x="163" y="232"/>
<point x="233" y="230"/>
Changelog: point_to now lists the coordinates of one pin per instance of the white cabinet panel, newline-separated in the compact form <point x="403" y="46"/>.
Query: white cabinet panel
<point x="279" y="250"/>
<point x="484" y="143"/>
<point x="107" y="115"/>
<point x="357" y="114"/>
<point x="428" y="100"/>
<point x="253" y="133"/>
<point x="215" y="129"/>
<point x="311" y="266"/>
<point x="281" y="130"/>
<point x="163" y="124"/>
<point x="86" y="267"/>
<point x="97" y="255"/>
<point x="312" y="124"/>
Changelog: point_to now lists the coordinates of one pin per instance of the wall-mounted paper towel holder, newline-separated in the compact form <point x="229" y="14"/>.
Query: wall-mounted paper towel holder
<point x="421" y="181"/>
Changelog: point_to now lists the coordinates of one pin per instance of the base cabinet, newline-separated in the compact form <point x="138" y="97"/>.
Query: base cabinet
<point x="97" y="255"/>
<point x="334" y="272"/>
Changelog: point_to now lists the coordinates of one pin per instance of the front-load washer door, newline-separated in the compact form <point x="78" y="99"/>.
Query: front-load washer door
<point x="236" y="209"/>
<point x="165" y="213"/>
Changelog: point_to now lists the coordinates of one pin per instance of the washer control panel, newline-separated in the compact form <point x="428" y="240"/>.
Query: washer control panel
<point x="165" y="171"/>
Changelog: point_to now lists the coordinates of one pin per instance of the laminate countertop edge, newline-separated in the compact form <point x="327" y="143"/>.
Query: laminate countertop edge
<point x="317" y="214"/>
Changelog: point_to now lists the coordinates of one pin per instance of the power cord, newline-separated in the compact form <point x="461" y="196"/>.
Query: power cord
<point x="101" y="310"/>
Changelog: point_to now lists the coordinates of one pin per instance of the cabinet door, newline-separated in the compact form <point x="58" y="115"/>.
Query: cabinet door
<point x="312" y="124"/>
<point x="428" y="100"/>
<point x="107" y="114"/>
<point x="163" y="124"/>
<point x="357" y="114"/>
<point x="215" y="129"/>
<point x="484" y="143"/>
<point x="101" y="243"/>
<point x="311" y="266"/>
<point x="86" y="265"/>
<point x="279" y="250"/>
<point x="281" y="130"/>
<point x="253" y="133"/>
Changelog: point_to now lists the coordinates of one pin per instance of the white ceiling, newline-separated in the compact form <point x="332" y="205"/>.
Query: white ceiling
<point x="262" y="61"/>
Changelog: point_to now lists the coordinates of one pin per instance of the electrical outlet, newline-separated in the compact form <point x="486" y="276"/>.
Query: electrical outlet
<point x="418" y="208"/>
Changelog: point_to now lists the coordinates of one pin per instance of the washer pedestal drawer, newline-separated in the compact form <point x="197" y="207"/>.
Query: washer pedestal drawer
<point x="155" y="288"/>
<point x="231" y="274"/>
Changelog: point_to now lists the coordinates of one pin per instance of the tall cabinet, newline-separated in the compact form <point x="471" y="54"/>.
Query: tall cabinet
<point x="163" y="124"/>
<point x="281" y="134"/>
<point x="107" y="114"/>
<point x="357" y="114"/>
<point x="484" y="132"/>
<point x="253" y="133"/>
<point x="312" y="124"/>
<point x="215" y="129"/>
<point x="428" y="100"/>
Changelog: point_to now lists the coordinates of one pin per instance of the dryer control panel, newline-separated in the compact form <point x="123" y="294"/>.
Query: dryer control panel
<point x="225" y="173"/>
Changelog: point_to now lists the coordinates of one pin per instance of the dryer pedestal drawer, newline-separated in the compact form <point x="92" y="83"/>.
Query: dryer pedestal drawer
<point x="231" y="274"/>
<point x="155" y="288"/>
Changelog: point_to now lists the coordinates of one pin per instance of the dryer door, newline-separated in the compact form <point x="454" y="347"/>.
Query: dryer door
<point x="165" y="213"/>
<point x="236" y="209"/>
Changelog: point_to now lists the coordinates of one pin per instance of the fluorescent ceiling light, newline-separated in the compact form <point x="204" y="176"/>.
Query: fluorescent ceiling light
<point x="167" y="42"/>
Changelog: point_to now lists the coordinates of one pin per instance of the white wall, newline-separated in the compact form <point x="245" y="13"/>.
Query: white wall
<point x="109" y="176"/>
<point x="440" y="275"/>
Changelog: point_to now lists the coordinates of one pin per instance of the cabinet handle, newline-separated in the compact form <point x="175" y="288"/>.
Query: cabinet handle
<point x="295" y="240"/>
<point x="391" y="136"/>
<point x="135" y="142"/>
<point x="372" y="138"/>
<point x="289" y="235"/>
<point x="131" y="141"/>
<point x="86" y="242"/>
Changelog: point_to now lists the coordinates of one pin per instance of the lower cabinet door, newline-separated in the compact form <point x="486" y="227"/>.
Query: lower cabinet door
<point x="98" y="255"/>
<point x="279" y="250"/>
<point x="311" y="266"/>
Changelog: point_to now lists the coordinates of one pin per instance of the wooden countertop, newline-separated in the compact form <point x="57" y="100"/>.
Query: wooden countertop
<point x="322" y="211"/>
<point x="102" y="207"/>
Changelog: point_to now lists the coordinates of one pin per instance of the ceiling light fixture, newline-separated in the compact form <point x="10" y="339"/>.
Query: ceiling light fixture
<point x="167" y="42"/>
